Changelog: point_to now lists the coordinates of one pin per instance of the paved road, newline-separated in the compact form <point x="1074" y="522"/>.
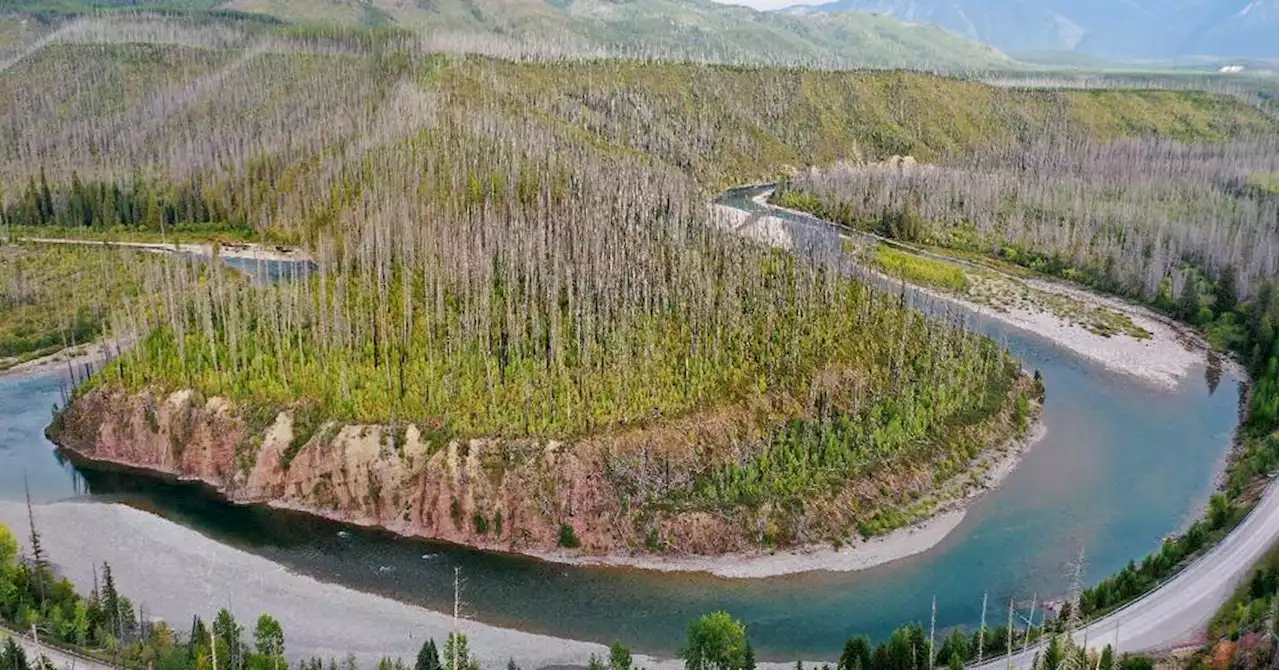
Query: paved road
<point x="1175" y="614"/>
<point x="61" y="659"/>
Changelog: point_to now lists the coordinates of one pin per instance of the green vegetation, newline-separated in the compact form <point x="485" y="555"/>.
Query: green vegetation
<point x="717" y="641"/>
<point x="920" y="270"/>
<point x="1135" y="580"/>
<point x="520" y="250"/>
<point x="106" y="207"/>
<point x="568" y="539"/>
<point x="523" y="250"/>
<point x="106" y="626"/>
<point x="53" y="297"/>
<point x="1265" y="182"/>
<point x="1155" y="220"/>
<point x="1242" y="633"/>
<point x="1252" y="608"/>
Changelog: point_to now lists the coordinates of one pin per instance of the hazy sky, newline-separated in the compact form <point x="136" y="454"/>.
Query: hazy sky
<point x="769" y="4"/>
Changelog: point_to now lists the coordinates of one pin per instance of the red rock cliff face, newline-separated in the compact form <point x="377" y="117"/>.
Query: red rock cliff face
<point x="511" y="495"/>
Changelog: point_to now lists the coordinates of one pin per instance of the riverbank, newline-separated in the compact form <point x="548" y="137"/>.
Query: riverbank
<point x="93" y="353"/>
<point x="1162" y="359"/>
<point x="418" y="493"/>
<point x="187" y="573"/>
<point x="245" y="250"/>
<point x="987" y="472"/>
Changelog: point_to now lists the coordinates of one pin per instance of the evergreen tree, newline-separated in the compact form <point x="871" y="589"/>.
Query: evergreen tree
<point x="1053" y="654"/>
<point x="1189" y="301"/>
<point x="46" y="199"/>
<point x="268" y="637"/>
<point x="230" y="634"/>
<point x="428" y="657"/>
<point x="1224" y="295"/>
<point x="12" y="655"/>
<point x="856" y="654"/>
<point x="199" y="636"/>
<point x="40" y="563"/>
<point x="457" y="655"/>
<point x="111" y="603"/>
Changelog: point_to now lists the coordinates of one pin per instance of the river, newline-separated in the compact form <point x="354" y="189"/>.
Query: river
<point x="1123" y="464"/>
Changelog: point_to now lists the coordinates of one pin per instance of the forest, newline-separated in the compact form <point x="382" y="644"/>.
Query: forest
<point x="496" y="264"/>
<point x="524" y="250"/>
<point x="1187" y="228"/>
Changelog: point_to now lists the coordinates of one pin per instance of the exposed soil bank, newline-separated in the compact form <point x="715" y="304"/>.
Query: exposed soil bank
<point x="984" y="474"/>
<point x="519" y="496"/>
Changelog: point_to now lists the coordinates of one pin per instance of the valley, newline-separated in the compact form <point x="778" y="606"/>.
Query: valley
<point x="364" y="303"/>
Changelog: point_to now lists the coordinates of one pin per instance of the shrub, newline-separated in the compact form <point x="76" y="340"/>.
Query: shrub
<point x="568" y="538"/>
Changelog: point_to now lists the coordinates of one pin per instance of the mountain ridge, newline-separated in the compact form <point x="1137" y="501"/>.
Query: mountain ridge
<point x="1141" y="29"/>
<point x="695" y="30"/>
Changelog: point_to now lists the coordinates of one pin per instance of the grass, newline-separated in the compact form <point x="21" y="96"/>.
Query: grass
<point x="1268" y="183"/>
<point x="1002" y="293"/>
<point x="920" y="270"/>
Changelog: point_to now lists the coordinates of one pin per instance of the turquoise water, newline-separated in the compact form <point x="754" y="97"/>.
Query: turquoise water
<point x="1123" y="464"/>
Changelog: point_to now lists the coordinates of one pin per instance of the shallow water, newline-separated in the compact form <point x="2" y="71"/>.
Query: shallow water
<point x="1123" y="464"/>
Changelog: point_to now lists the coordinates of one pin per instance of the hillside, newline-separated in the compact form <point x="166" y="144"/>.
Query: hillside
<point x="1112" y="28"/>
<point x="527" y="329"/>
<point x="698" y="30"/>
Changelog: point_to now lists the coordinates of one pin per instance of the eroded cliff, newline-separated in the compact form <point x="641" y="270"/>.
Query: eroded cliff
<point x="520" y="495"/>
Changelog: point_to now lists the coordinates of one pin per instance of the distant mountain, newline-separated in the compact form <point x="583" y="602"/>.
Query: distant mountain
<point x="667" y="29"/>
<point x="1130" y="29"/>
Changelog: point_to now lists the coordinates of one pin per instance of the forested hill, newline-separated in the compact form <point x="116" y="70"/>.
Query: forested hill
<point x="208" y="118"/>
<point x="518" y="277"/>
<point x="699" y="30"/>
